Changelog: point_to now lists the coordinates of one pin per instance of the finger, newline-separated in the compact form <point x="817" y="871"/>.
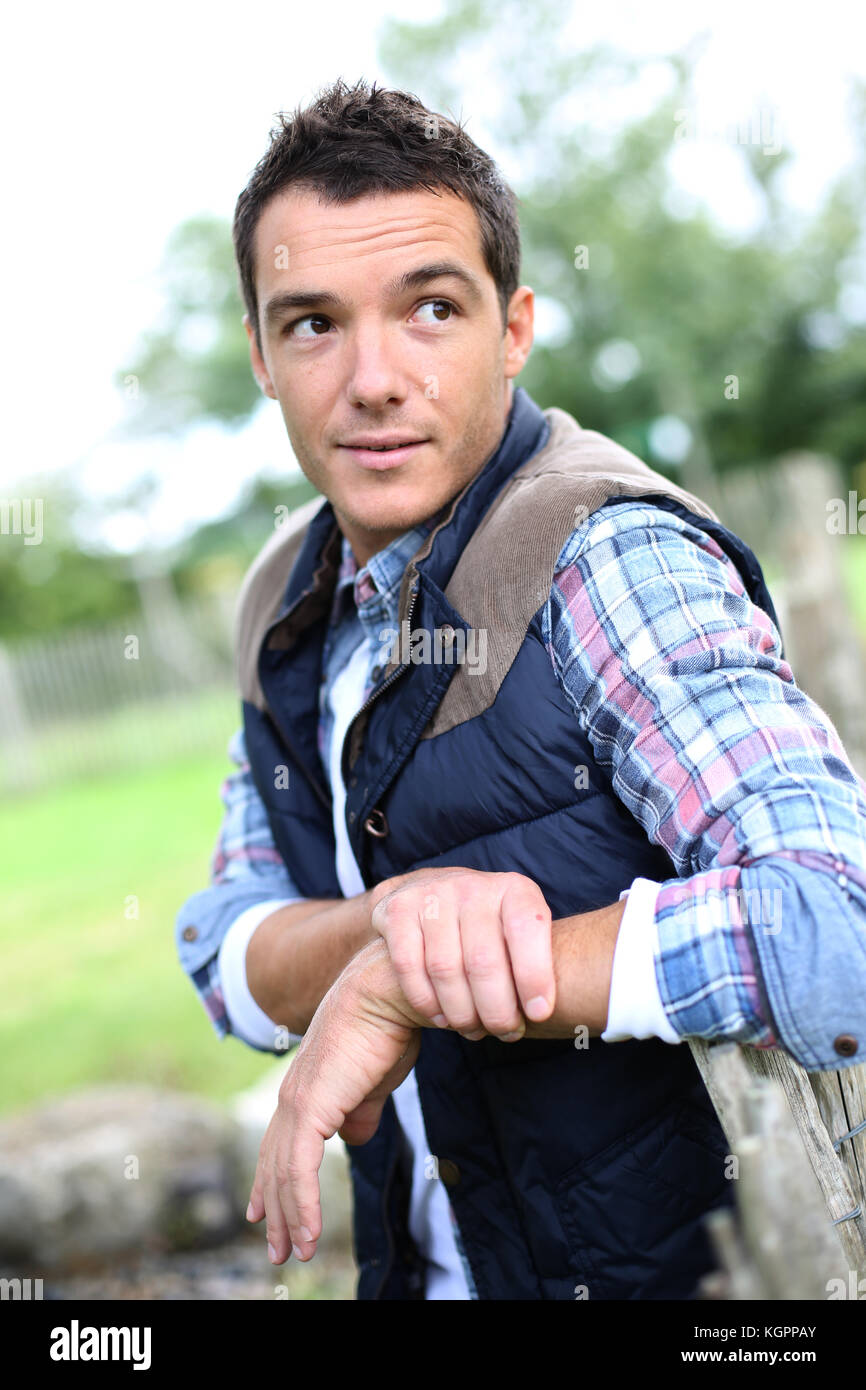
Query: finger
<point x="528" y="931"/>
<point x="256" y="1206"/>
<point x="398" y="923"/>
<point x="443" y="955"/>
<point x="276" y="1228"/>
<point x="488" y="970"/>
<point x="299" y="1189"/>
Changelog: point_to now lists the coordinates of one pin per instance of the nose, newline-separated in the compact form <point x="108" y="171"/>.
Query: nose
<point x="376" y="375"/>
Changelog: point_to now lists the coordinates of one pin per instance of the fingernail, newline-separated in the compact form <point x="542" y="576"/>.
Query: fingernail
<point x="510" y="1037"/>
<point x="305" y="1233"/>
<point x="440" y="1020"/>
<point x="250" y="1212"/>
<point x="272" y="1253"/>
<point x="298" y="1254"/>
<point x="474" y="1037"/>
<point x="537" y="1008"/>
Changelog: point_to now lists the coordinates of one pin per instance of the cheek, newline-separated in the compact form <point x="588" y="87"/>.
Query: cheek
<point x="305" y="409"/>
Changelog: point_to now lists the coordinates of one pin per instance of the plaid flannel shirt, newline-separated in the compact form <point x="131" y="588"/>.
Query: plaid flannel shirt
<point x="677" y="679"/>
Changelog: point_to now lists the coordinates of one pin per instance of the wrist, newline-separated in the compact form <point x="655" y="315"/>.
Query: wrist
<point x="375" y="989"/>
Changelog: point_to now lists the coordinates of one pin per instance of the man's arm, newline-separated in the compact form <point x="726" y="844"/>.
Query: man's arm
<point x="296" y="952"/>
<point x="677" y="679"/>
<point x="312" y="937"/>
<point x="363" y="1040"/>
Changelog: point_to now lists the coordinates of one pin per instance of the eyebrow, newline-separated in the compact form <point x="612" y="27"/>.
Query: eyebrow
<point x="281" y="304"/>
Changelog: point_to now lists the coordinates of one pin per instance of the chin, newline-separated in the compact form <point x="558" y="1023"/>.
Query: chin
<point x="395" y="513"/>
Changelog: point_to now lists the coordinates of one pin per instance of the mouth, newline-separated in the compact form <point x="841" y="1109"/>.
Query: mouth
<point x="382" y="456"/>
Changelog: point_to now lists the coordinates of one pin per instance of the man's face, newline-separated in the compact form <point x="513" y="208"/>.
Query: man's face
<point x="364" y="358"/>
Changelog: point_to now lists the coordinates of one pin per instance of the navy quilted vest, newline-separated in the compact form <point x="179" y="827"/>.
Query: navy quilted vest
<point x="572" y="1173"/>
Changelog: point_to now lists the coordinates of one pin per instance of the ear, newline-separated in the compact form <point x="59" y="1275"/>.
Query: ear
<point x="260" y="371"/>
<point x="519" y="333"/>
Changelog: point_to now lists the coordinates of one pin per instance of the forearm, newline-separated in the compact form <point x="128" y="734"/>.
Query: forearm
<point x="583" y="950"/>
<point x="297" y="953"/>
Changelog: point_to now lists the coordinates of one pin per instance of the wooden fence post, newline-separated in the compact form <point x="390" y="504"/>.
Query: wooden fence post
<point x="801" y="1223"/>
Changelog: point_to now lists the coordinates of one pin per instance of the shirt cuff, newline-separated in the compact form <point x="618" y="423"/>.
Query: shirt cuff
<point x="635" y="1009"/>
<point x="247" y="1020"/>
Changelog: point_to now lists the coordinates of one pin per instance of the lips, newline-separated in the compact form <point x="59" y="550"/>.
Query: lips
<point x="375" y="456"/>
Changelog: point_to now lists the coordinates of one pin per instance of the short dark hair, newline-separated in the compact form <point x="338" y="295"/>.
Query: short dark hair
<point x="352" y="141"/>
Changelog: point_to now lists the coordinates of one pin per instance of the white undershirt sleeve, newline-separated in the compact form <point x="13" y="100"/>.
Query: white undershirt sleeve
<point x="635" y="1009"/>
<point x="248" y="1021"/>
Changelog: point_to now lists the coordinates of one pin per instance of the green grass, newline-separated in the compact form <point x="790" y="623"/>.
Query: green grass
<point x="854" y="573"/>
<point x="88" y="994"/>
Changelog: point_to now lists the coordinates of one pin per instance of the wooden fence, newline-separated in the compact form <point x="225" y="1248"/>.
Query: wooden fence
<point x="798" y="1152"/>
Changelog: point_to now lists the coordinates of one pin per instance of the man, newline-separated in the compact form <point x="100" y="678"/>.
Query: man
<point x="526" y="791"/>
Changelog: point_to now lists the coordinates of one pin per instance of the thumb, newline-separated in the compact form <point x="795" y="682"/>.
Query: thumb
<point x="361" y="1123"/>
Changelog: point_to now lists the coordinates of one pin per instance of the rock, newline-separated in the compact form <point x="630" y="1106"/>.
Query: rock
<point x="117" y="1169"/>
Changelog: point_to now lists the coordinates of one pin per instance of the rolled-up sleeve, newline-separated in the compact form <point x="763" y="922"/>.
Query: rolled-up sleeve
<point x="246" y="870"/>
<point x="679" y="682"/>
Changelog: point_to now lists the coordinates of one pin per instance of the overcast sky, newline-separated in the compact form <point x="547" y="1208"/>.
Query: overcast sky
<point x="120" y="121"/>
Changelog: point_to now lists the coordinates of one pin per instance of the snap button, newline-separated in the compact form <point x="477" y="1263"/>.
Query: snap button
<point x="448" y="635"/>
<point x="449" y="1172"/>
<point x="190" y="933"/>
<point x="376" y="824"/>
<point x="845" y="1045"/>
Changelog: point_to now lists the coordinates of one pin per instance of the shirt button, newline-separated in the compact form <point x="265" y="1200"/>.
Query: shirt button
<point x="353" y="781"/>
<point x="376" y="673"/>
<point x="449" y="1172"/>
<point x="845" y="1045"/>
<point x="190" y="933"/>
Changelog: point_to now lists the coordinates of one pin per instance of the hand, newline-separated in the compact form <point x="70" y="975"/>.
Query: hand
<point x="361" y="1043"/>
<point x="472" y="950"/>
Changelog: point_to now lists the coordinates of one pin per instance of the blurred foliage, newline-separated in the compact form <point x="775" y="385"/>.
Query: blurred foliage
<point x="57" y="583"/>
<point x="193" y="364"/>
<point x="64" y="582"/>
<point x="670" y="304"/>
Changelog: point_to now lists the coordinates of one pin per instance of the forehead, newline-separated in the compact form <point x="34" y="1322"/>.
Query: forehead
<point x="298" y="233"/>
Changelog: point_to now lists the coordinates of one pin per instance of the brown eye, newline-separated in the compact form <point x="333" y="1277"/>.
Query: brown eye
<point x="310" y="318"/>
<point x="438" y="305"/>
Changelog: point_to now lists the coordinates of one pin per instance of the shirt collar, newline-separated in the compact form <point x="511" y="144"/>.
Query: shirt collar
<point x="376" y="584"/>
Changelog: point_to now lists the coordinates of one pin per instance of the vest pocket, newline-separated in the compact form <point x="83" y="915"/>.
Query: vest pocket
<point x="633" y="1213"/>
